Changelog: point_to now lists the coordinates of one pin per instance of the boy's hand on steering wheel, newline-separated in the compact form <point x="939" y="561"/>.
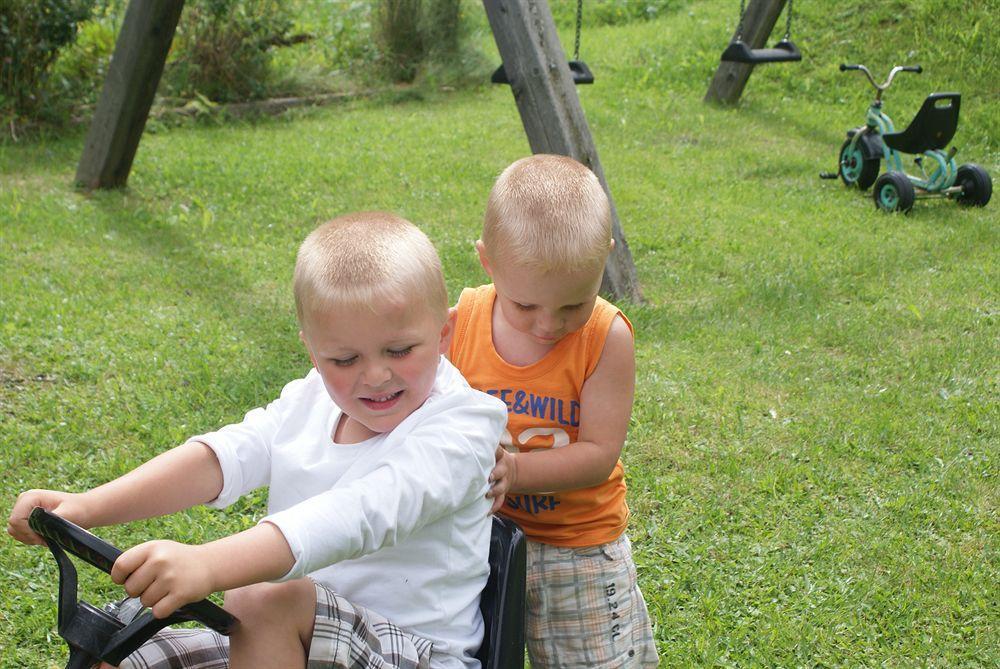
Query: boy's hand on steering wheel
<point x="502" y="477"/>
<point x="64" y="504"/>
<point x="164" y="575"/>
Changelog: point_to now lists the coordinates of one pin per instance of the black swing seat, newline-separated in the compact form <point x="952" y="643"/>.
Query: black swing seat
<point x="739" y="51"/>
<point x="581" y="73"/>
<point x="931" y="129"/>
<point x="502" y="601"/>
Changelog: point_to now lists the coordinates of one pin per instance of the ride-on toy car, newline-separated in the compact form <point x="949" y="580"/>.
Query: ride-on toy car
<point x="112" y="633"/>
<point x="926" y="138"/>
<point x="108" y="634"/>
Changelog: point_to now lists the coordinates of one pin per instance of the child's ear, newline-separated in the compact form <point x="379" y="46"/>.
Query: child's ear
<point x="305" y="343"/>
<point x="448" y="329"/>
<point x="611" y="247"/>
<point x="483" y="260"/>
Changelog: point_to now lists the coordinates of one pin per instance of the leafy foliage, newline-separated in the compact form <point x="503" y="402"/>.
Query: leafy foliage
<point x="612" y="12"/>
<point x="409" y="31"/>
<point x="31" y="34"/>
<point x="222" y="49"/>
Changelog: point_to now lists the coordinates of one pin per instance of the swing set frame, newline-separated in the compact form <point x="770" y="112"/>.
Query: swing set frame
<point x="526" y="38"/>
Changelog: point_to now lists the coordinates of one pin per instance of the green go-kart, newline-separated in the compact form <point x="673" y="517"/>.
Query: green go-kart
<point x="925" y="138"/>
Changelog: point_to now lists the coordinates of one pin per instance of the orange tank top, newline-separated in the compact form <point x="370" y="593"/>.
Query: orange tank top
<point x="543" y="411"/>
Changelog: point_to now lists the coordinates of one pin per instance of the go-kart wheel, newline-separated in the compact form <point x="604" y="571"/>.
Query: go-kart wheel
<point x="93" y="634"/>
<point x="977" y="187"/>
<point x="855" y="169"/>
<point x="894" y="192"/>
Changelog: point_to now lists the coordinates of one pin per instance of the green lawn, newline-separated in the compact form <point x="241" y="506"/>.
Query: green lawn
<point x="813" y="459"/>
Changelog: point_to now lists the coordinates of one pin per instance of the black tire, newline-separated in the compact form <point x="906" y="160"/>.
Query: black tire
<point x="977" y="187"/>
<point x="856" y="170"/>
<point x="894" y="192"/>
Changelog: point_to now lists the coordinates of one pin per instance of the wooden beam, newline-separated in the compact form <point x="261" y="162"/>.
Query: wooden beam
<point x="127" y="95"/>
<point x="731" y="78"/>
<point x="551" y="113"/>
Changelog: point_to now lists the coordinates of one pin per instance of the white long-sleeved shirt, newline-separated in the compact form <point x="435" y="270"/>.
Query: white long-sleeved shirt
<point x="398" y="523"/>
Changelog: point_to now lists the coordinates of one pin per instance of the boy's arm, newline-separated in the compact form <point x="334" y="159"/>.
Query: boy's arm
<point x="177" y="479"/>
<point x="166" y="575"/>
<point x="605" y="408"/>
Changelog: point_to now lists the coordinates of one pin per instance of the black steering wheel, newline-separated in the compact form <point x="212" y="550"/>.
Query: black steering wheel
<point x="94" y="634"/>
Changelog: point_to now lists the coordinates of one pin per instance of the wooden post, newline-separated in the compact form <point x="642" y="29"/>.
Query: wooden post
<point x="551" y="113"/>
<point x="136" y="67"/>
<point x="730" y="79"/>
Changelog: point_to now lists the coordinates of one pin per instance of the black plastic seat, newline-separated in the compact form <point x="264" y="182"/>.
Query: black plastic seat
<point x="502" y="603"/>
<point x="931" y="129"/>
<point x="739" y="51"/>
<point x="581" y="73"/>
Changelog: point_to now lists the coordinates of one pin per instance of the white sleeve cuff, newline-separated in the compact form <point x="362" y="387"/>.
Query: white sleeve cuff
<point x="228" y="463"/>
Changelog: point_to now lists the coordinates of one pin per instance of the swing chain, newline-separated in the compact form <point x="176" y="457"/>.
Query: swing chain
<point x="739" y="27"/>
<point x="579" y="23"/>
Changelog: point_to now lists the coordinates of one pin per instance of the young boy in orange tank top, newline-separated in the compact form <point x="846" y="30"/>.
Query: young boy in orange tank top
<point x="562" y="359"/>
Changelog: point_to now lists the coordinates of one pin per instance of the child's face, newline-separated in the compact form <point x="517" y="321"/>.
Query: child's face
<point x="545" y="306"/>
<point x="378" y="366"/>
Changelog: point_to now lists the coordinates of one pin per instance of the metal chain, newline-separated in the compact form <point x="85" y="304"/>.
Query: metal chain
<point x="739" y="27"/>
<point x="579" y="24"/>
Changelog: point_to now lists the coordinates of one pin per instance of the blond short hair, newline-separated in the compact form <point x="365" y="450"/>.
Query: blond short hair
<point x="548" y="213"/>
<point x="368" y="259"/>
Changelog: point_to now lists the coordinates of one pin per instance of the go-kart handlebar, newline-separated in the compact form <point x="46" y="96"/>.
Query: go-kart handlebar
<point x="888" y="82"/>
<point x="73" y="538"/>
<point x="94" y="634"/>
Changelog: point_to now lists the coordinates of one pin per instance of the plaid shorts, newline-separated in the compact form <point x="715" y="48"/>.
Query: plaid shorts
<point x="585" y="609"/>
<point x="344" y="637"/>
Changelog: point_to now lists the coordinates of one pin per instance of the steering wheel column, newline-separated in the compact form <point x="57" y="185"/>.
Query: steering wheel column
<point x="92" y="634"/>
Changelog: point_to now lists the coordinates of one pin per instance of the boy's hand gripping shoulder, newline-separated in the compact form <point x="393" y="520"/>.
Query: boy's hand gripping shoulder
<point x="605" y="409"/>
<point x="434" y="464"/>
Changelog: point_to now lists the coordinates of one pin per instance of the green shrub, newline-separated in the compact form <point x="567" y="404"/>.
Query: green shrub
<point x="409" y="32"/>
<point x="31" y="34"/>
<point x="346" y="35"/>
<point x="613" y="12"/>
<point x="79" y="72"/>
<point x="222" y="49"/>
<point x="400" y="38"/>
<point x="442" y="26"/>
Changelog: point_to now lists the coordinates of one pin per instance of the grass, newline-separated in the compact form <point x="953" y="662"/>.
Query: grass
<point x="813" y="459"/>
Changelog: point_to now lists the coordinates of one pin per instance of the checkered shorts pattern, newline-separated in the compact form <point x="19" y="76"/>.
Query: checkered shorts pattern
<point x="585" y="610"/>
<point x="344" y="637"/>
<point x="181" y="649"/>
<point x="350" y="637"/>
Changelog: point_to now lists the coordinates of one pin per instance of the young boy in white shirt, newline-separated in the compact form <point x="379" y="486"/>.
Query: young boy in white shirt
<point x="377" y="464"/>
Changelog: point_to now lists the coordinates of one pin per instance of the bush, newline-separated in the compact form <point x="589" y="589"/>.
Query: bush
<point x="400" y="38"/>
<point x="442" y="23"/>
<point x="222" y="49"/>
<point x="79" y="72"/>
<point x="31" y="34"/>
<point x="345" y="34"/>
<point x="612" y="12"/>
<point x="409" y="31"/>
